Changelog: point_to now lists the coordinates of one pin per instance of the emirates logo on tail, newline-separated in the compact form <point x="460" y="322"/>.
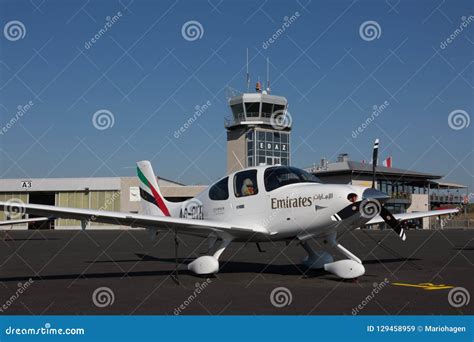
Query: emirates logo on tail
<point x="154" y="197"/>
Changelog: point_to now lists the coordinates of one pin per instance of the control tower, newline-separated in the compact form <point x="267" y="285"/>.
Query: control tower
<point x="258" y="132"/>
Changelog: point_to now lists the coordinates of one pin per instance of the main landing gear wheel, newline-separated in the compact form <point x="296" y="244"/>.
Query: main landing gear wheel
<point x="209" y="264"/>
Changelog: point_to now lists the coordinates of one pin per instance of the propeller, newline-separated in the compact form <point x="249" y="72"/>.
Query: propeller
<point x="372" y="202"/>
<point x="375" y="155"/>
<point x="384" y="213"/>
<point x="393" y="223"/>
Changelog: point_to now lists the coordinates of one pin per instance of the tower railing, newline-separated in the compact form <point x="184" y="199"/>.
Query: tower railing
<point x="233" y="121"/>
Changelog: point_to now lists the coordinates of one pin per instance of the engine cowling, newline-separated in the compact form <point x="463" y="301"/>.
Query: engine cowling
<point x="205" y="264"/>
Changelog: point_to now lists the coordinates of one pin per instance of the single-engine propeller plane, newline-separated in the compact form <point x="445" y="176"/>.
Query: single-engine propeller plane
<point x="258" y="204"/>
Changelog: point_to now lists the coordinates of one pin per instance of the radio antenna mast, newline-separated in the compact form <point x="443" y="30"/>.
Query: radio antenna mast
<point x="268" y="75"/>
<point x="248" y="75"/>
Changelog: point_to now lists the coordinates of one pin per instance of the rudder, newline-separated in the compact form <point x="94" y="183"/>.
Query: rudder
<point x="152" y="201"/>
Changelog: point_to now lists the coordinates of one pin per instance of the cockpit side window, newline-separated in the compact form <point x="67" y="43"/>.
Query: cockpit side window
<point x="220" y="190"/>
<point x="276" y="177"/>
<point x="245" y="183"/>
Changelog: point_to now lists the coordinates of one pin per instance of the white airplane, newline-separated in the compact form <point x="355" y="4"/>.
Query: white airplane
<point x="257" y="204"/>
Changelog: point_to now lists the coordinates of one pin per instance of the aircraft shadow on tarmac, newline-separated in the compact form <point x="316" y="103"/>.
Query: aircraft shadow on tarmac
<point x="463" y="248"/>
<point x="30" y="239"/>
<point x="227" y="267"/>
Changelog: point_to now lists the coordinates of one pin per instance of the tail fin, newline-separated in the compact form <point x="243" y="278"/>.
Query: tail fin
<point x="152" y="201"/>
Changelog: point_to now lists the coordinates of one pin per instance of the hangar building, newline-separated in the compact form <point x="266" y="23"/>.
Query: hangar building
<point x="103" y="193"/>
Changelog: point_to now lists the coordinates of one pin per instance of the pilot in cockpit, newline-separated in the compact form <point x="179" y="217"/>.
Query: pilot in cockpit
<point x="248" y="188"/>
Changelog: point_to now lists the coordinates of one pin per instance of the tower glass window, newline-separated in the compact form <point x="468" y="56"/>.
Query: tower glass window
<point x="267" y="110"/>
<point x="268" y="147"/>
<point x="253" y="109"/>
<point x="278" y="108"/>
<point x="238" y="111"/>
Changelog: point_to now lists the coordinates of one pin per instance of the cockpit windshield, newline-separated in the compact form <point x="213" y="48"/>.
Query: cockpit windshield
<point x="278" y="176"/>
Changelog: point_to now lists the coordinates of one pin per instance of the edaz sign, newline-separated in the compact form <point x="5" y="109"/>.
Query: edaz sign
<point x="272" y="146"/>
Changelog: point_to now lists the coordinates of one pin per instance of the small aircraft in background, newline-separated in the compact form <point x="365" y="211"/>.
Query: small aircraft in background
<point x="20" y="221"/>
<point x="257" y="204"/>
<point x="11" y="223"/>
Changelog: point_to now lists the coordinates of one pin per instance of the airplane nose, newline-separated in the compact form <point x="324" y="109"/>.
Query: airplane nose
<point x="370" y="193"/>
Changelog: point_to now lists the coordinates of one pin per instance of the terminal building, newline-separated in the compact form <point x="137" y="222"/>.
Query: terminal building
<point x="258" y="133"/>
<point x="410" y="191"/>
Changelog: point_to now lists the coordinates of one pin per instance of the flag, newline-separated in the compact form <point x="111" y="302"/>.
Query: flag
<point x="388" y="162"/>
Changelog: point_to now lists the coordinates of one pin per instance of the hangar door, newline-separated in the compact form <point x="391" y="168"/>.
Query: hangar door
<point x="41" y="197"/>
<point x="98" y="200"/>
<point x="14" y="197"/>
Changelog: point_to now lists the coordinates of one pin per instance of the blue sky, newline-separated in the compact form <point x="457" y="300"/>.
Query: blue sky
<point x="150" y="78"/>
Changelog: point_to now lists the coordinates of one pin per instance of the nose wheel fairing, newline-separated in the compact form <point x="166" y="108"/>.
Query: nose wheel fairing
<point x="346" y="268"/>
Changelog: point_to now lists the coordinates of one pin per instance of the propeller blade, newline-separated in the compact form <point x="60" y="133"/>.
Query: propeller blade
<point x="346" y="212"/>
<point x="368" y="207"/>
<point x="375" y="155"/>
<point x="393" y="223"/>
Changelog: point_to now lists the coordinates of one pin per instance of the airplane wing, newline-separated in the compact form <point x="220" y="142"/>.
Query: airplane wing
<point x="409" y="216"/>
<point x="190" y="226"/>
<point x="11" y="222"/>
